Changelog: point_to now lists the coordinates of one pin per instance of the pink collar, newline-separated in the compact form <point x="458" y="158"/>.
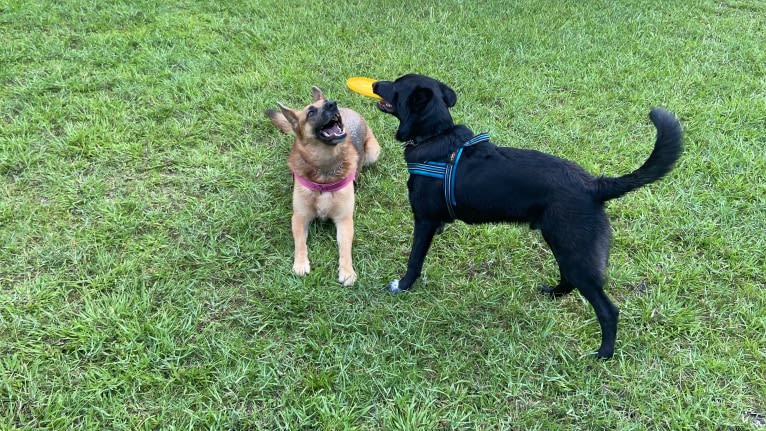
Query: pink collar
<point x="325" y="188"/>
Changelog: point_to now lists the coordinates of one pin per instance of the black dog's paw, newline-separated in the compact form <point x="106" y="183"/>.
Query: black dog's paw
<point x="556" y="292"/>
<point x="393" y="288"/>
<point x="553" y="292"/>
<point x="604" y="355"/>
<point x="546" y="290"/>
<point x="440" y="229"/>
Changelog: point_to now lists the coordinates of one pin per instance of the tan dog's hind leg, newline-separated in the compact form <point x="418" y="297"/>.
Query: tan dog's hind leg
<point x="371" y="148"/>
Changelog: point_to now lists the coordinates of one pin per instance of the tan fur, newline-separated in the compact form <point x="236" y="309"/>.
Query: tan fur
<point x="322" y="163"/>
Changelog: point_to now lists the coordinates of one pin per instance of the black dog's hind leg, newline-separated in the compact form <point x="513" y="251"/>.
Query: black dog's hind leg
<point x="424" y="234"/>
<point x="580" y="243"/>
<point x="607" y="313"/>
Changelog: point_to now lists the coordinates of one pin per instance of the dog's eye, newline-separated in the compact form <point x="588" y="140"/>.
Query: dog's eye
<point x="311" y="112"/>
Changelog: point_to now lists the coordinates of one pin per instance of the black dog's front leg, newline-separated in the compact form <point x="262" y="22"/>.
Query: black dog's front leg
<point x="424" y="233"/>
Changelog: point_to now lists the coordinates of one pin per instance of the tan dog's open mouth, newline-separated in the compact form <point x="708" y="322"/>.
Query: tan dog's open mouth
<point x="333" y="130"/>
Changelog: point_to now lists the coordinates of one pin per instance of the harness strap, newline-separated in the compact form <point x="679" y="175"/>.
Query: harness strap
<point x="446" y="171"/>
<point x="428" y="169"/>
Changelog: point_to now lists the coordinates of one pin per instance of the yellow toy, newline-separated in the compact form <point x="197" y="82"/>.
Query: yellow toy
<point x="362" y="86"/>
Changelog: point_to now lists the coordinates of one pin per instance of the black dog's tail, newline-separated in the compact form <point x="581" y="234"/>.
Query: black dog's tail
<point x="667" y="149"/>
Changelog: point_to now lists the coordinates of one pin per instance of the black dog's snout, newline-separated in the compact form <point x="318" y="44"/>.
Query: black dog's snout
<point x="330" y="105"/>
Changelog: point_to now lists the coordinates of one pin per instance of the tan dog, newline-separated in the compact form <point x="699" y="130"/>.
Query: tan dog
<point x="331" y="146"/>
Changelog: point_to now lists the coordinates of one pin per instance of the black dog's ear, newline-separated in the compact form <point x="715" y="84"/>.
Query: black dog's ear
<point x="419" y="99"/>
<point x="450" y="98"/>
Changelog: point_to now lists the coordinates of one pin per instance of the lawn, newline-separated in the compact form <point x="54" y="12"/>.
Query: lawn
<point x="145" y="201"/>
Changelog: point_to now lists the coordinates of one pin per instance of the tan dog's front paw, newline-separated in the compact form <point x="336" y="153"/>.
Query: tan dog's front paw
<point x="347" y="277"/>
<point x="301" y="268"/>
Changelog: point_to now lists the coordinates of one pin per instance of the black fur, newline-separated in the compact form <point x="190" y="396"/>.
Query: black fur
<point x="497" y="184"/>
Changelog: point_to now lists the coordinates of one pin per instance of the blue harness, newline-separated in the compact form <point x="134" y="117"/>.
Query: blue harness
<point x="446" y="170"/>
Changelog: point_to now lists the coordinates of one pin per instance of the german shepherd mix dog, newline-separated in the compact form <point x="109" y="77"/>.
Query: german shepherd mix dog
<point x="456" y="175"/>
<point x="331" y="146"/>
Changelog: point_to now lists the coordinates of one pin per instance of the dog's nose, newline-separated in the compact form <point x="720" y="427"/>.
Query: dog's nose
<point x="330" y="105"/>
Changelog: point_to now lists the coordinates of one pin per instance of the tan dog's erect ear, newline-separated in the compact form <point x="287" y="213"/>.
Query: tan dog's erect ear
<point x="286" y="121"/>
<point x="316" y="94"/>
<point x="290" y="114"/>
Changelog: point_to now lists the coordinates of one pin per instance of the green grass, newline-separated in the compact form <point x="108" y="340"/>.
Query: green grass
<point x="145" y="247"/>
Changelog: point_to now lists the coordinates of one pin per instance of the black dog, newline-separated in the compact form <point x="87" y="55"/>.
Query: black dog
<point x="486" y="183"/>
